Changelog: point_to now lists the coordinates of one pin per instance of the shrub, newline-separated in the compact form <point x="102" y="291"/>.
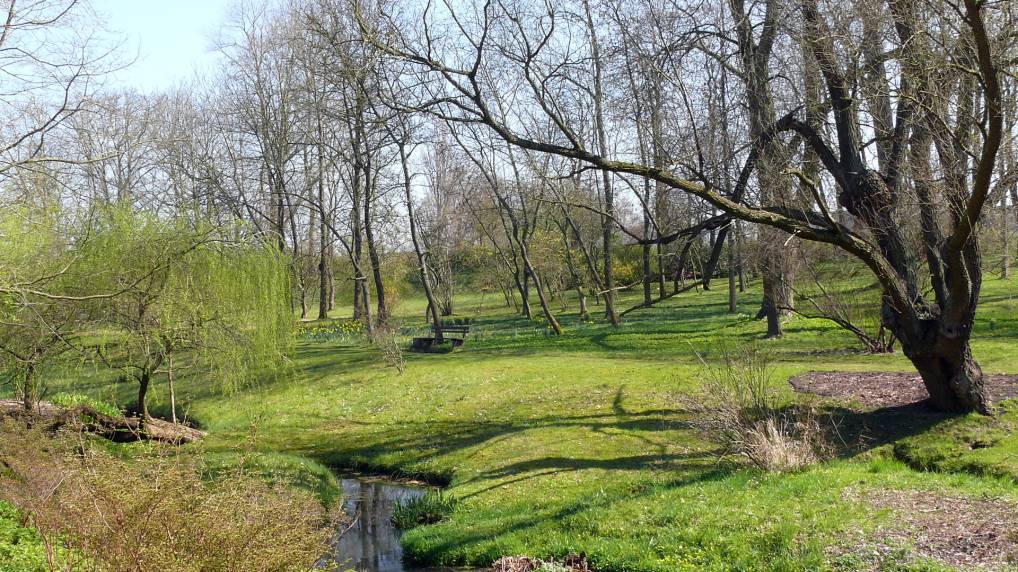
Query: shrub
<point x="739" y="408"/>
<point x="386" y="339"/>
<point x="428" y="508"/>
<point x="156" y="512"/>
<point x="70" y="400"/>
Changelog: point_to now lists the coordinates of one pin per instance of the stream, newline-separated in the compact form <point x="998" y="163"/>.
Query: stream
<point x="371" y="544"/>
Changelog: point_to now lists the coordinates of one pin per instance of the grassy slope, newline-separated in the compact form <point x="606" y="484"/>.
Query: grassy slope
<point x="578" y="444"/>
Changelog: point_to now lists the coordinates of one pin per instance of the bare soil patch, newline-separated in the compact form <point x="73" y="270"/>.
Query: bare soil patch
<point x="958" y="531"/>
<point x="886" y="389"/>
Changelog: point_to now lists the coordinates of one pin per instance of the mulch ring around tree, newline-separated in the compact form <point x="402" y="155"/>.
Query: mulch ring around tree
<point x="959" y="531"/>
<point x="886" y="389"/>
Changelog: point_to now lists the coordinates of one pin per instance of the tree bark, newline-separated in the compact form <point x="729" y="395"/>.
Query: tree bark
<point x="324" y="286"/>
<point x="173" y="393"/>
<point x="142" y="406"/>
<point x="382" y="314"/>
<point x="646" y="250"/>
<point x="733" y="296"/>
<point x="951" y="375"/>
<point x="755" y="55"/>
<point x="29" y="392"/>
<point x="608" y="219"/>
<point x="422" y="257"/>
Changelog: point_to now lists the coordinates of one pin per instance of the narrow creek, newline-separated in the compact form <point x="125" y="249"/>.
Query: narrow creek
<point x="371" y="543"/>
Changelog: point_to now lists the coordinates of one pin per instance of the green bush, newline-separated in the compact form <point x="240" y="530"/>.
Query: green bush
<point x="429" y="508"/>
<point x="75" y="399"/>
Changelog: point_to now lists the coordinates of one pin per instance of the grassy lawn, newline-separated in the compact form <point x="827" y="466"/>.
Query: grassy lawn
<point x="580" y="443"/>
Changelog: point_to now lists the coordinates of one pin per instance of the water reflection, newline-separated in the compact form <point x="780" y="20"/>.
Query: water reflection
<point x="372" y="544"/>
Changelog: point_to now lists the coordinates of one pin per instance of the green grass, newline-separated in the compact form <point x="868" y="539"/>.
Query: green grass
<point x="579" y="443"/>
<point x="430" y="508"/>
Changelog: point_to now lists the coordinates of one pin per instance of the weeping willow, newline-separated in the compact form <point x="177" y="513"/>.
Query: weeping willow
<point x="227" y="303"/>
<point x="205" y="299"/>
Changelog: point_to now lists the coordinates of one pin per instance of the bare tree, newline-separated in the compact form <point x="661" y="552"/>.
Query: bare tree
<point x="934" y="334"/>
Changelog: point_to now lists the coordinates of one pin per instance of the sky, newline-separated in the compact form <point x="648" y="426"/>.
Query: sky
<point x="171" y="39"/>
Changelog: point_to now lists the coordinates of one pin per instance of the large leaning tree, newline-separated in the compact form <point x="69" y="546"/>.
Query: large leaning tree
<point x="912" y="219"/>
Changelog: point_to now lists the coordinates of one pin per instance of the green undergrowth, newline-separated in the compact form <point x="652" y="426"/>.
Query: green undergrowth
<point x="579" y="443"/>
<point x="21" y="547"/>
<point x="430" y="508"/>
<point x="75" y="399"/>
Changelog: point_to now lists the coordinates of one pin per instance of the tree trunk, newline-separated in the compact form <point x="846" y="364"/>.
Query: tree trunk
<point x="355" y="259"/>
<point x="357" y="313"/>
<point x="323" y="250"/>
<point x="548" y="314"/>
<point x="660" y="191"/>
<point x="661" y="289"/>
<point x="733" y="296"/>
<point x="770" y="309"/>
<point x="422" y="259"/>
<point x="755" y="55"/>
<point x="29" y="392"/>
<point x="648" y="298"/>
<point x="1005" y="261"/>
<point x="332" y="284"/>
<point x="369" y="324"/>
<point x="373" y="258"/>
<point x="607" y="221"/>
<point x="524" y="288"/>
<point x="738" y="256"/>
<point x="951" y="375"/>
<point x="141" y="408"/>
<point x="173" y="393"/>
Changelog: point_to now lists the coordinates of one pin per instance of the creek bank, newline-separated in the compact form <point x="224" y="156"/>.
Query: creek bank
<point x="90" y="420"/>
<point x="368" y="541"/>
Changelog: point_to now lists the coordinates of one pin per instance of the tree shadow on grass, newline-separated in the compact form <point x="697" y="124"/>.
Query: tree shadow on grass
<point x="530" y="518"/>
<point x="442" y="437"/>
<point x="858" y="431"/>
<point x="690" y="462"/>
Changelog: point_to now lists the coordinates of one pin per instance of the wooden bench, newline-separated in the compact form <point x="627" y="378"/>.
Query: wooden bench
<point x="455" y="329"/>
<point x="449" y="333"/>
<point x="461" y="329"/>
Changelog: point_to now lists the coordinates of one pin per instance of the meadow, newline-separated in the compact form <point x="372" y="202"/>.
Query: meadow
<point x="581" y="444"/>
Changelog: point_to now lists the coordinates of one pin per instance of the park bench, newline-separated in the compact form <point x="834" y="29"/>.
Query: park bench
<point x="454" y="332"/>
<point x="461" y="329"/>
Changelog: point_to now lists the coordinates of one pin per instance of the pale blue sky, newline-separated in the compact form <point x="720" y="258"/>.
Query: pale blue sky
<point x="171" y="38"/>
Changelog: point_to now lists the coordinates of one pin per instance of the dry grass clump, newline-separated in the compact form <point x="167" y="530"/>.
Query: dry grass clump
<point x="156" y="513"/>
<point x="740" y="409"/>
